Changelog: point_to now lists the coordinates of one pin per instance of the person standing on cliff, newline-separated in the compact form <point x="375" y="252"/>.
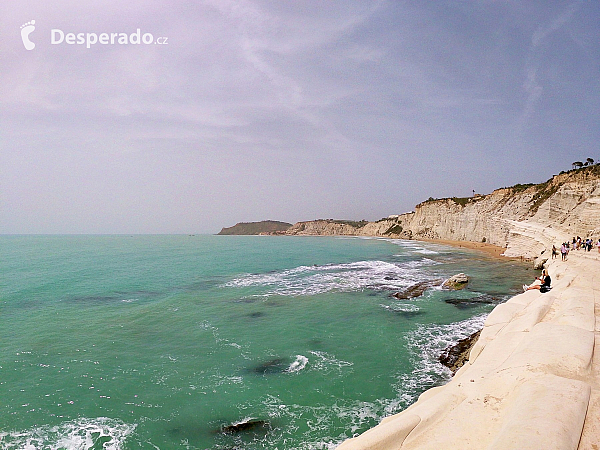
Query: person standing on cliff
<point x="555" y="251"/>
<point x="563" y="251"/>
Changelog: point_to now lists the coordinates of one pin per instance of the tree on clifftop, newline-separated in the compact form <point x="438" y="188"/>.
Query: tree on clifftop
<point x="577" y="165"/>
<point x="589" y="162"/>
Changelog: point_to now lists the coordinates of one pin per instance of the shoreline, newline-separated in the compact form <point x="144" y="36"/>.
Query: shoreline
<point x="532" y="379"/>
<point x="490" y="249"/>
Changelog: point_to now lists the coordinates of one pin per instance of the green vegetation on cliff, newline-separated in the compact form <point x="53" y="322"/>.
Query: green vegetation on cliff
<point x="253" y="228"/>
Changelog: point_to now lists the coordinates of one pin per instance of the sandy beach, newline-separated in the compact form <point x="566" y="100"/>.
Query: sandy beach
<point x="490" y="249"/>
<point x="532" y="380"/>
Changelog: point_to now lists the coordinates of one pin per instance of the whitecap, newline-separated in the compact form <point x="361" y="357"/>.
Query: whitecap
<point x="347" y="277"/>
<point x="426" y="344"/>
<point x="299" y="364"/>
<point x="79" y="434"/>
<point x="327" y="363"/>
<point x="401" y="307"/>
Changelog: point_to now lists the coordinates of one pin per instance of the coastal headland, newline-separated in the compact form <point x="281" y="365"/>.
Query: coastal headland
<point x="522" y="220"/>
<point x="532" y="379"/>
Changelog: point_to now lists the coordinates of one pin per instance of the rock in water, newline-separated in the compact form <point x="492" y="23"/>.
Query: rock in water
<point x="253" y="425"/>
<point x="277" y="365"/>
<point x="471" y="302"/>
<point x="416" y="290"/>
<point x="456" y="282"/>
<point x="455" y="356"/>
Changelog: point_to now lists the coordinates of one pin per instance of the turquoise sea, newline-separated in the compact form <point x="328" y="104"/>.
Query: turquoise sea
<point x="159" y="342"/>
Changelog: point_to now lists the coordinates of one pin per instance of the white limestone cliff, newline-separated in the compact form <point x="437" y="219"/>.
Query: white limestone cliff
<point x="524" y="219"/>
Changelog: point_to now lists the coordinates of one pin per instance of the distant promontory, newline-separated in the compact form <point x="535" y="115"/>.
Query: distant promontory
<point x="525" y="220"/>
<point x="254" y="228"/>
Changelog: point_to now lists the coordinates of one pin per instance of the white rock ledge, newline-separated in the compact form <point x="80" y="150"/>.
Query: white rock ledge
<point x="532" y="380"/>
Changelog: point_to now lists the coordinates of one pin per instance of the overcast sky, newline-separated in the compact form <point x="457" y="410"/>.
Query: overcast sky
<point x="285" y="110"/>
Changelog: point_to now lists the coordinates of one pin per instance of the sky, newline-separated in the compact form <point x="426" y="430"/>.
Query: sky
<point x="240" y="111"/>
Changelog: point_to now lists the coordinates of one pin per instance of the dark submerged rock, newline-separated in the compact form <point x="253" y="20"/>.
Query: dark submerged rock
<point x="273" y="366"/>
<point x="409" y="314"/>
<point x="455" y="356"/>
<point x="245" y="426"/>
<point x="463" y="303"/>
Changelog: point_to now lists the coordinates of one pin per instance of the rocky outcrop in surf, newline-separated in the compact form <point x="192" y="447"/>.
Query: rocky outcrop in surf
<point x="455" y="356"/>
<point x="456" y="282"/>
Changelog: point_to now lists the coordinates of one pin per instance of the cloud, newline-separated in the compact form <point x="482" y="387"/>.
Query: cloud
<point x="561" y="20"/>
<point x="532" y="86"/>
<point x="260" y="108"/>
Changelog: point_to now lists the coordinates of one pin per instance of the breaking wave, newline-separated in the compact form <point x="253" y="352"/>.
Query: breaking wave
<point x="425" y="345"/>
<point x="313" y="280"/>
<point x="299" y="364"/>
<point x="80" y="434"/>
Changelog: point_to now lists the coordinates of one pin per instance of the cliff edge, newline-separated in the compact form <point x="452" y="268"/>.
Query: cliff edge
<point x="524" y="219"/>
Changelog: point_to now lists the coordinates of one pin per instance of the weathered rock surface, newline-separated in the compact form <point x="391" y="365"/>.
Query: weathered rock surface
<point x="416" y="290"/>
<point x="539" y="262"/>
<point x="456" y="282"/>
<point x="328" y="227"/>
<point x="455" y="356"/>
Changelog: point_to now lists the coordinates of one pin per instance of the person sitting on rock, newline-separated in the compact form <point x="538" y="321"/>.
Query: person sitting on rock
<point x="544" y="285"/>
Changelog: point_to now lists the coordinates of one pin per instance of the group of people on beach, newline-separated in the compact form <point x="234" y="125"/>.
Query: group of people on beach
<point x="576" y="244"/>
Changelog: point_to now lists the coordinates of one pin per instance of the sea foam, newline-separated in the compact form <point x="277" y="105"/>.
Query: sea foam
<point x="79" y="434"/>
<point x="313" y="280"/>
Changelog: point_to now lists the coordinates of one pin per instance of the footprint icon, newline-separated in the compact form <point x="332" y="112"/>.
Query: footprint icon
<point x="26" y="30"/>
